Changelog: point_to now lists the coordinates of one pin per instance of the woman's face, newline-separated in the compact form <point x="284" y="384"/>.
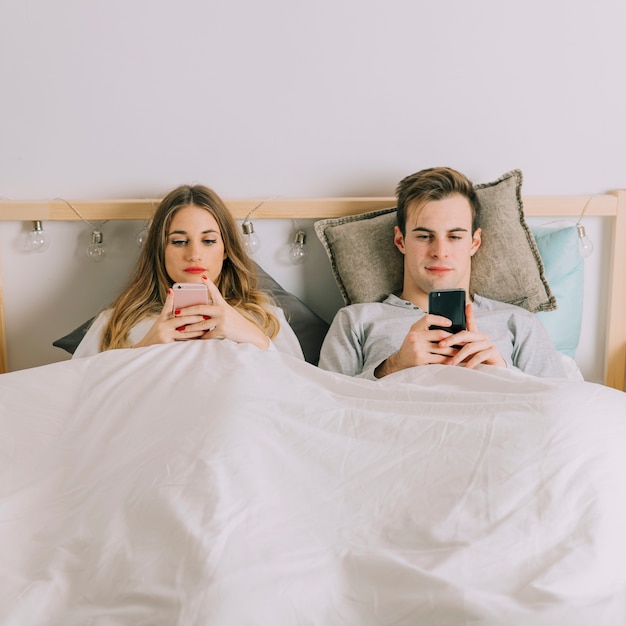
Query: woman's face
<point x="194" y="246"/>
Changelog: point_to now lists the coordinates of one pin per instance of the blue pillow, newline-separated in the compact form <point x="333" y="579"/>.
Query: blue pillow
<point x="564" y="271"/>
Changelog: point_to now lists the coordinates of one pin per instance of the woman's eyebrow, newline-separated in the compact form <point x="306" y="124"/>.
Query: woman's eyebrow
<point x="204" y="232"/>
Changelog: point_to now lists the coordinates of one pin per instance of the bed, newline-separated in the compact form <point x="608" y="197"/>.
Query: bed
<point x="213" y="483"/>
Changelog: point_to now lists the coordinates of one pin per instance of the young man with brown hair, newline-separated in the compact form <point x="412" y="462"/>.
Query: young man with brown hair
<point x="438" y="232"/>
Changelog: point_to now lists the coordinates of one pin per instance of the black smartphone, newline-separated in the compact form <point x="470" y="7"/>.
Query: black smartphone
<point x="448" y="303"/>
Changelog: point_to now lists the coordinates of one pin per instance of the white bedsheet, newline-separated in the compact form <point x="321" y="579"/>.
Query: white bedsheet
<point x="212" y="483"/>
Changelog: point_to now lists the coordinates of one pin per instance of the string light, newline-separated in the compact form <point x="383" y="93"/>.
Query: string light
<point x="96" y="249"/>
<point x="142" y="235"/>
<point x="585" y="246"/>
<point x="251" y="242"/>
<point x="297" y="250"/>
<point x="584" y="243"/>
<point x="38" y="238"/>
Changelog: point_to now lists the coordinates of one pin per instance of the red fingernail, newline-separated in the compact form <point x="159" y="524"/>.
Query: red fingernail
<point x="177" y="312"/>
<point x="206" y="317"/>
<point x="181" y="328"/>
<point x="169" y="291"/>
<point x="205" y="277"/>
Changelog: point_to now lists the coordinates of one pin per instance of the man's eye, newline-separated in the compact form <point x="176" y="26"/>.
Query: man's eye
<point x="422" y="237"/>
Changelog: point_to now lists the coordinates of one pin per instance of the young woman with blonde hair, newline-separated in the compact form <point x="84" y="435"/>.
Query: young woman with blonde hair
<point x="192" y="238"/>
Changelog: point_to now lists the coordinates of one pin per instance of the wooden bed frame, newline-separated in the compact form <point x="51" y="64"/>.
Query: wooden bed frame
<point x="611" y="205"/>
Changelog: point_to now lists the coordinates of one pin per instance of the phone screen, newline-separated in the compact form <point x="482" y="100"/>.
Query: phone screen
<point x="448" y="303"/>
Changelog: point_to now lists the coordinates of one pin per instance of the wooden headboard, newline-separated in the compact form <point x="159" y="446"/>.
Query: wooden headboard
<point x="611" y="205"/>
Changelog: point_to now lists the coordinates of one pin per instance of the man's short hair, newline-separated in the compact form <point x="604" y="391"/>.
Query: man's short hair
<point x="435" y="183"/>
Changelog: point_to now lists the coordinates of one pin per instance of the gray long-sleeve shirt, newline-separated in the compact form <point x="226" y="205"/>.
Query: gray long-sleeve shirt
<point x="363" y="335"/>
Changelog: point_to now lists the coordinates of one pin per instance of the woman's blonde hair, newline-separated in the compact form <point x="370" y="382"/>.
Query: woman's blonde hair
<point x="147" y="288"/>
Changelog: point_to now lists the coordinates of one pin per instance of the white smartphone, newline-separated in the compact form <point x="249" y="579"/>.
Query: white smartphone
<point x="189" y="294"/>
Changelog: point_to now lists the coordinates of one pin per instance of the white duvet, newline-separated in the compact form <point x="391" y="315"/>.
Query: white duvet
<point x="210" y="483"/>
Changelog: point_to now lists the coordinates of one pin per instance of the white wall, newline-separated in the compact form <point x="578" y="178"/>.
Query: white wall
<point x="128" y="98"/>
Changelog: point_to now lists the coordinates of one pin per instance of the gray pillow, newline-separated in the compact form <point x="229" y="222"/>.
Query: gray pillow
<point x="367" y="266"/>
<point x="70" y="342"/>
<point x="309" y="327"/>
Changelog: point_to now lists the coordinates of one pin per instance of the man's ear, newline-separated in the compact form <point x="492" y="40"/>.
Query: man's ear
<point x="476" y="241"/>
<point x="398" y="239"/>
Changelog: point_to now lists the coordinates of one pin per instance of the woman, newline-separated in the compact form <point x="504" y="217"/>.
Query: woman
<point x="193" y="238"/>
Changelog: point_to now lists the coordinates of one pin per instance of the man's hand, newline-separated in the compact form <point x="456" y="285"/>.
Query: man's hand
<point x="421" y="346"/>
<point x="475" y="348"/>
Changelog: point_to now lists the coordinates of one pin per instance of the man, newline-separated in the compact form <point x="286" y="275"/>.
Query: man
<point x="438" y="233"/>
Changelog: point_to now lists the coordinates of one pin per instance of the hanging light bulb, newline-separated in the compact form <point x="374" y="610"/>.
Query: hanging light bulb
<point x="38" y="238"/>
<point x="584" y="243"/>
<point x="95" y="250"/>
<point x="297" y="250"/>
<point x="250" y="241"/>
<point x="142" y="235"/>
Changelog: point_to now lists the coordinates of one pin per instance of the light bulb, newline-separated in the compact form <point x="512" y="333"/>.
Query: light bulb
<point x="142" y="235"/>
<point x="297" y="250"/>
<point x="38" y="239"/>
<point x="250" y="241"/>
<point x="95" y="250"/>
<point x="585" y="246"/>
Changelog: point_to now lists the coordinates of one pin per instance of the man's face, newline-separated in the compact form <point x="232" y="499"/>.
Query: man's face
<point x="438" y="247"/>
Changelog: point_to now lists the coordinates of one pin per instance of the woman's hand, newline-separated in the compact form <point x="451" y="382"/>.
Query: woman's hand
<point x="168" y="327"/>
<point x="218" y="320"/>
